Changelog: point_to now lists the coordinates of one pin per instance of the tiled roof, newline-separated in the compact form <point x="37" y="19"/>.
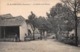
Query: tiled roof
<point x="6" y="15"/>
<point x="11" y="21"/>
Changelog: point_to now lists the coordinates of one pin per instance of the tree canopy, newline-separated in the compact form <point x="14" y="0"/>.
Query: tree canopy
<point x="61" y="16"/>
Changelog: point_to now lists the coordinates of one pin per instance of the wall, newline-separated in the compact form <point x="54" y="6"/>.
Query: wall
<point x="78" y="33"/>
<point x="23" y="31"/>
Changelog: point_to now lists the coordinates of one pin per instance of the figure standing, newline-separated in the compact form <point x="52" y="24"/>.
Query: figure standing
<point x="16" y="37"/>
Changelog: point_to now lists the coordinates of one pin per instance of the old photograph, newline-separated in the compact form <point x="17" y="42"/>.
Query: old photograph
<point x="39" y="25"/>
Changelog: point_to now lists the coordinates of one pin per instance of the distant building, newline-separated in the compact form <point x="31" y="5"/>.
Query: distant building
<point x="10" y="26"/>
<point x="29" y="27"/>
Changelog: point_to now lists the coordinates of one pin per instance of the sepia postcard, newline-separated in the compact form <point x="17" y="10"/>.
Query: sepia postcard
<point x="39" y="25"/>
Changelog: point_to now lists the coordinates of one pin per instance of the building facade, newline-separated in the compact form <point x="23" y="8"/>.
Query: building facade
<point x="11" y="27"/>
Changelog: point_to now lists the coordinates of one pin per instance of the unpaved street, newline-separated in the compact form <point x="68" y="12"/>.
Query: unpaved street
<point x="37" y="46"/>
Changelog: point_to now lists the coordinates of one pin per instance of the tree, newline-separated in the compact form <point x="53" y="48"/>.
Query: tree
<point x="75" y="6"/>
<point x="31" y="19"/>
<point x="72" y="3"/>
<point x="58" y="16"/>
<point x="59" y="9"/>
<point x="43" y="25"/>
<point x="56" y="9"/>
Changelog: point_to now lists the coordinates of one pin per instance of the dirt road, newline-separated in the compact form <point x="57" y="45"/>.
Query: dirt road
<point x="37" y="46"/>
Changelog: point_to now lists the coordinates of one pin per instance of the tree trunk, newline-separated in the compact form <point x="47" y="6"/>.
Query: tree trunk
<point x="41" y="34"/>
<point x="76" y="37"/>
<point x="34" y="34"/>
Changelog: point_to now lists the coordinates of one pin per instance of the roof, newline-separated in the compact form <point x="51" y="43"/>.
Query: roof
<point x="6" y="15"/>
<point x="11" y="21"/>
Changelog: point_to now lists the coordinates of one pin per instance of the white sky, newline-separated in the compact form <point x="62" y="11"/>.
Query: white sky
<point x="24" y="7"/>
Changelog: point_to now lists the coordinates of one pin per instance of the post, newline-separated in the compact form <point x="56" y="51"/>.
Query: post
<point x="0" y="32"/>
<point x="4" y="32"/>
